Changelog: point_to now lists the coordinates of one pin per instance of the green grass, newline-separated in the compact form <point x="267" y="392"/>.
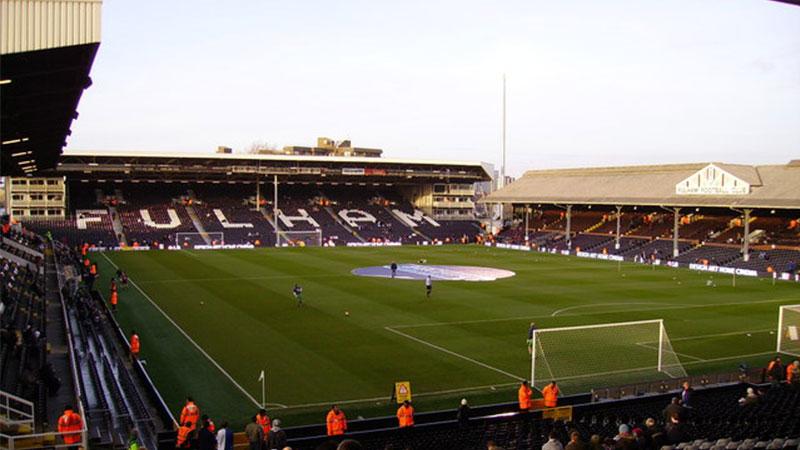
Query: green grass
<point x="237" y="305"/>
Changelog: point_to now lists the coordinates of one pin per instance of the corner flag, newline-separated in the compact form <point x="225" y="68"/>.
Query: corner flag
<point x="261" y="377"/>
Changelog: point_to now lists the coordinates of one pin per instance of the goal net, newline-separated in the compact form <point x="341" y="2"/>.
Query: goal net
<point x="789" y="330"/>
<point x="300" y="238"/>
<point x="583" y="357"/>
<point x="190" y="240"/>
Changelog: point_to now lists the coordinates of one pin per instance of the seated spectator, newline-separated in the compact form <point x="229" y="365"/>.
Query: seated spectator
<point x="575" y="442"/>
<point x="750" y="398"/>
<point x="553" y="443"/>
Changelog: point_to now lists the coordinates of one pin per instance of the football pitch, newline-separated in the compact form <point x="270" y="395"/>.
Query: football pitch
<point x="211" y="321"/>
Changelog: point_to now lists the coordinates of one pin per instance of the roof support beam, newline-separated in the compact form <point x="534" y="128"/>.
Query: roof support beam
<point x="568" y="229"/>
<point x="619" y="214"/>
<point x="746" y="237"/>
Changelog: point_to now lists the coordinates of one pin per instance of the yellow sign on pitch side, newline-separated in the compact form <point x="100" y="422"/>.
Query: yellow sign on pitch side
<point x="402" y="391"/>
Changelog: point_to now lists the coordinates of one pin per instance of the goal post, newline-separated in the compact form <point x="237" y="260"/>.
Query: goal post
<point x="300" y="238"/>
<point x="192" y="239"/>
<point x="789" y="330"/>
<point x="582" y="357"/>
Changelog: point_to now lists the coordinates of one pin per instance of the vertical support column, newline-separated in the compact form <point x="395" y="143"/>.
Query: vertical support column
<point x="746" y="237"/>
<point x="676" y="222"/>
<point x="616" y="241"/>
<point x="258" y="193"/>
<point x="568" y="229"/>
<point x="527" y="213"/>
<point x="275" y="211"/>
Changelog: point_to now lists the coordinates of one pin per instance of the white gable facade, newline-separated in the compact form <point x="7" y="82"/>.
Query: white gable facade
<point x="712" y="180"/>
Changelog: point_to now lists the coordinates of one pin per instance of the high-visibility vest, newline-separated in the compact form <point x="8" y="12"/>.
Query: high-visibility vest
<point x="190" y="413"/>
<point x="405" y="416"/>
<point x="337" y="423"/>
<point x="93" y="269"/>
<point x="114" y="298"/>
<point x="135" y="344"/>
<point x="524" y="397"/>
<point x="550" y="393"/>
<point x="86" y="262"/>
<point x="70" y="421"/>
<point x="265" y="423"/>
<point x="183" y="436"/>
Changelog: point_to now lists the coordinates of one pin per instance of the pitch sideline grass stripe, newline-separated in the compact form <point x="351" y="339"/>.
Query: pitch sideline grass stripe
<point x="186" y="335"/>
<point x="265" y="277"/>
<point x="668" y="306"/>
<point x="419" y="394"/>
<point x="452" y="353"/>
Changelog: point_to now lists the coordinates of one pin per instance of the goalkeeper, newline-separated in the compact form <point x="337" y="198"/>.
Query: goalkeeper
<point x="531" y="331"/>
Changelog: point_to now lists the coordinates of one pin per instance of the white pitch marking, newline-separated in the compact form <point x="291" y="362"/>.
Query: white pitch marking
<point x="559" y="311"/>
<point x="668" y="306"/>
<point x="452" y="353"/>
<point x="200" y="349"/>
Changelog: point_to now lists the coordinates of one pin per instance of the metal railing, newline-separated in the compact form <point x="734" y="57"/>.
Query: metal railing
<point x="16" y="411"/>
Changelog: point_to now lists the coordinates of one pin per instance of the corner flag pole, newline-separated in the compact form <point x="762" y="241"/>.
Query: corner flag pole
<point x="263" y="380"/>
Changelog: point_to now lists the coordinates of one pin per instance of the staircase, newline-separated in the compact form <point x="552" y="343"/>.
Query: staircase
<point x="197" y="224"/>
<point x="116" y="224"/>
<point x="344" y="225"/>
<point x="413" y="229"/>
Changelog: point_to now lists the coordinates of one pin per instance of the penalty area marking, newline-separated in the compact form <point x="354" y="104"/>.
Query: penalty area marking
<point x="666" y="307"/>
<point x="570" y="308"/>
<point x="186" y="335"/>
<point x="452" y="353"/>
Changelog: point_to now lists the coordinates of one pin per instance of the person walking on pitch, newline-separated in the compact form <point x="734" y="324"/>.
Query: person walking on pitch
<point x="297" y="291"/>
<point x="428" y="286"/>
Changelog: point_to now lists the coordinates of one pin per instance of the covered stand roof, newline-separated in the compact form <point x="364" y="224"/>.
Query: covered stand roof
<point x="47" y="48"/>
<point x="690" y="185"/>
<point x="144" y="166"/>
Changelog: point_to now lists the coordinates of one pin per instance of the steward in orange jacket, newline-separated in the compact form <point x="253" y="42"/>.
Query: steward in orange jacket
<point x="263" y="420"/>
<point x="70" y="421"/>
<point x="405" y="415"/>
<point x="184" y="433"/>
<point x="336" y="421"/>
<point x="550" y="394"/>
<point x="114" y="300"/>
<point x="190" y="413"/>
<point x="134" y="344"/>
<point x="524" y="396"/>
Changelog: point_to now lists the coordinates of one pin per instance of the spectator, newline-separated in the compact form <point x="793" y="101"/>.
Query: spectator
<point x="463" y="414"/>
<point x="653" y="435"/>
<point x="624" y="439"/>
<point x="775" y="370"/>
<point x="686" y="395"/>
<point x="553" y="442"/>
<point x="674" y="408"/>
<point x="596" y="442"/>
<point x="206" y="439"/>
<point x="675" y="430"/>
<point x="349" y="444"/>
<point x="255" y="434"/>
<point x="224" y="437"/>
<point x="575" y="442"/>
<point x="263" y="420"/>
<point x="276" y="439"/>
<point x="750" y="398"/>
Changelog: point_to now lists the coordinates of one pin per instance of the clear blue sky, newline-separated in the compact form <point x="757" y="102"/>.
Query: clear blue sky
<point x="589" y="82"/>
